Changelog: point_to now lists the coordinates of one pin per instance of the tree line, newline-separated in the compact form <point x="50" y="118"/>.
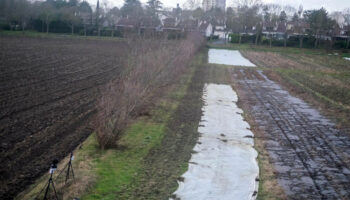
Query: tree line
<point x="251" y="19"/>
<point x="74" y="16"/>
<point x="247" y="19"/>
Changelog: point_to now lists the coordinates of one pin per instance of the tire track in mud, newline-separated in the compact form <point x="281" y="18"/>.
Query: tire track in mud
<point x="311" y="157"/>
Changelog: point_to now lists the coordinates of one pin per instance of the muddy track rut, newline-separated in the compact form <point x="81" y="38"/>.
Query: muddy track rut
<point x="311" y="157"/>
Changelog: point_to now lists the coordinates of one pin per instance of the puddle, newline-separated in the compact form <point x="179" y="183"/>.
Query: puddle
<point x="223" y="170"/>
<point x="228" y="57"/>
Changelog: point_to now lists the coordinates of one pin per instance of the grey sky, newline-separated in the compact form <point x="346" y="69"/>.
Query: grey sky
<point x="330" y="5"/>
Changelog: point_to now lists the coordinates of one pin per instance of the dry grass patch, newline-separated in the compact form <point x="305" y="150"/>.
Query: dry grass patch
<point x="321" y="80"/>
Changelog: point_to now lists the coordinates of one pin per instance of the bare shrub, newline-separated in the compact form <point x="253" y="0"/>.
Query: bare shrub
<point x="152" y="66"/>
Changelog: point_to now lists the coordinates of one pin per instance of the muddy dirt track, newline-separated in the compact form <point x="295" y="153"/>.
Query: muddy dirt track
<point x="311" y="157"/>
<point x="48" y="89"/>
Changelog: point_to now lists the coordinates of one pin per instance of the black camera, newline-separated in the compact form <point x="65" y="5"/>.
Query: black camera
<point x="53" y="166"/>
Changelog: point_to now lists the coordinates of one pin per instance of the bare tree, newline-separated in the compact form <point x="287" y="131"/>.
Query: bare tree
<point x="346" y="14"/>
<point x="70" y="16"/>
<point x="153" y="67"/>
<point x="268" y="21"/>
<point x="47" y="14"/>
<point x="22" y="12"/>
<point x="283" y="18"/>
<point x="247" y="3"/>
<point x="192" y="4"/>
<point x="112" y="17"/>
<point x="298" y="25"/>
<point x="289" y="10"/>
<point x="320" y="23"/>
<point x="248" y="17"/>
<point x="85" y="14"/>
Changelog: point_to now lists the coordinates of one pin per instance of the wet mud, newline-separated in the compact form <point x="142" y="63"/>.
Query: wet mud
<point x="311" y="157"/>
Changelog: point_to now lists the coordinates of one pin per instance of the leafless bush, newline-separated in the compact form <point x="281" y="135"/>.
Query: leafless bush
<point x="153" y="66"/>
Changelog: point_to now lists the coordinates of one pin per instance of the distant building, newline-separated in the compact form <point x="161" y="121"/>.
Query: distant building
<point x="206" y="29"/>
<point x="209" y="4"/>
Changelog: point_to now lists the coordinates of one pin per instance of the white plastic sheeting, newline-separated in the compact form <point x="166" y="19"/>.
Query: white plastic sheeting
<point x="347" y="59"/>
<point x="228" y="57"/>
<point x="224" y="164"/>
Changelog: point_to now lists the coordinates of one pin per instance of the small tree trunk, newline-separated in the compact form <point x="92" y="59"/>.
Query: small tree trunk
<point x="240" y="38"/>
<point x="348" y="42"/>
<point x="301" y="39"/>
<point x="331" y="43"/>
<point x="47" y="27"/>
<point x="47" y="24"/>
<point x="316" y="40"/>
<point x="270" y="40"/>
<point x="98" y="31"/>
<point x="256" y="38"/>
<point x="72" y="26"/>
<point x="113" y="32"/>
<point x="285" y="39"/>
<point x="84" y="29"/>
<point x="42" y="26"/>
<point x="23" y="27"/>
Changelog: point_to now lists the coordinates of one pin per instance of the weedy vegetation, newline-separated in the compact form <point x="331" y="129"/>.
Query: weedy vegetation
<point x="152" y="67"/>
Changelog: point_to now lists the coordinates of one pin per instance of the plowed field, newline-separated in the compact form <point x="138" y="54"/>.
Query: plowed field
<point x="48" y="90"/>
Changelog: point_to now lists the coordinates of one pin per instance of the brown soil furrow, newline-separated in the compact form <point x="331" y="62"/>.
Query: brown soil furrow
<point x="49" y="88"/>
<point x="42" y="99"/>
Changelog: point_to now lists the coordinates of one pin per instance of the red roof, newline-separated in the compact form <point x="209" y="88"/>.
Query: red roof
<point x="128" y="22"/>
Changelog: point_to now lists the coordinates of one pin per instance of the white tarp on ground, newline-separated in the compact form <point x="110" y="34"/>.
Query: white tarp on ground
<point x="228" y="57"/>
<point x="347" y="59"/>
<point x="224" y="164"/>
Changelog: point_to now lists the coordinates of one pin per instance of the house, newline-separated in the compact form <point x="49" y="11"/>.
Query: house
<point x="206" y="29"/>
<point x="301" y="27"/>
<point x="128" y="25"/>
<point x="170" y="24"/>
<point x="149" y="26"/>
<point x="220" y="30"/>
<point x="280" y="31"/>
<point x="188" y="25"/>
<point x="276" y="30"/>
<point x="345" y="31"/>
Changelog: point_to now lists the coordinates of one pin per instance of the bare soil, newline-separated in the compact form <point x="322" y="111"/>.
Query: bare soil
<point x="310" y="155"/>
<point x="48" y="91"/>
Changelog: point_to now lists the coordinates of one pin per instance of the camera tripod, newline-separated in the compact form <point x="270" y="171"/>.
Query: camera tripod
<point x="50" y="182"/>
<point x="70" y="167"/>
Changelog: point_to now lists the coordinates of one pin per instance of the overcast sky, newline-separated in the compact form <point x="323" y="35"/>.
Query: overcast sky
<point x="330" y="5"/>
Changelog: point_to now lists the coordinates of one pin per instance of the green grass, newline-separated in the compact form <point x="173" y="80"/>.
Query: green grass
<point x="30" y="33"/>
<point x="116" y="169"/>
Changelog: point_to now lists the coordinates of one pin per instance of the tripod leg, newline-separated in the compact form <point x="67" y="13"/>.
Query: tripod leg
<point x="67" y="175"/>
<point x="42" y="189"/>
<point x="54" y="189"/>
<point x="47" y="190"/>
<point x="73" y="173"/>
